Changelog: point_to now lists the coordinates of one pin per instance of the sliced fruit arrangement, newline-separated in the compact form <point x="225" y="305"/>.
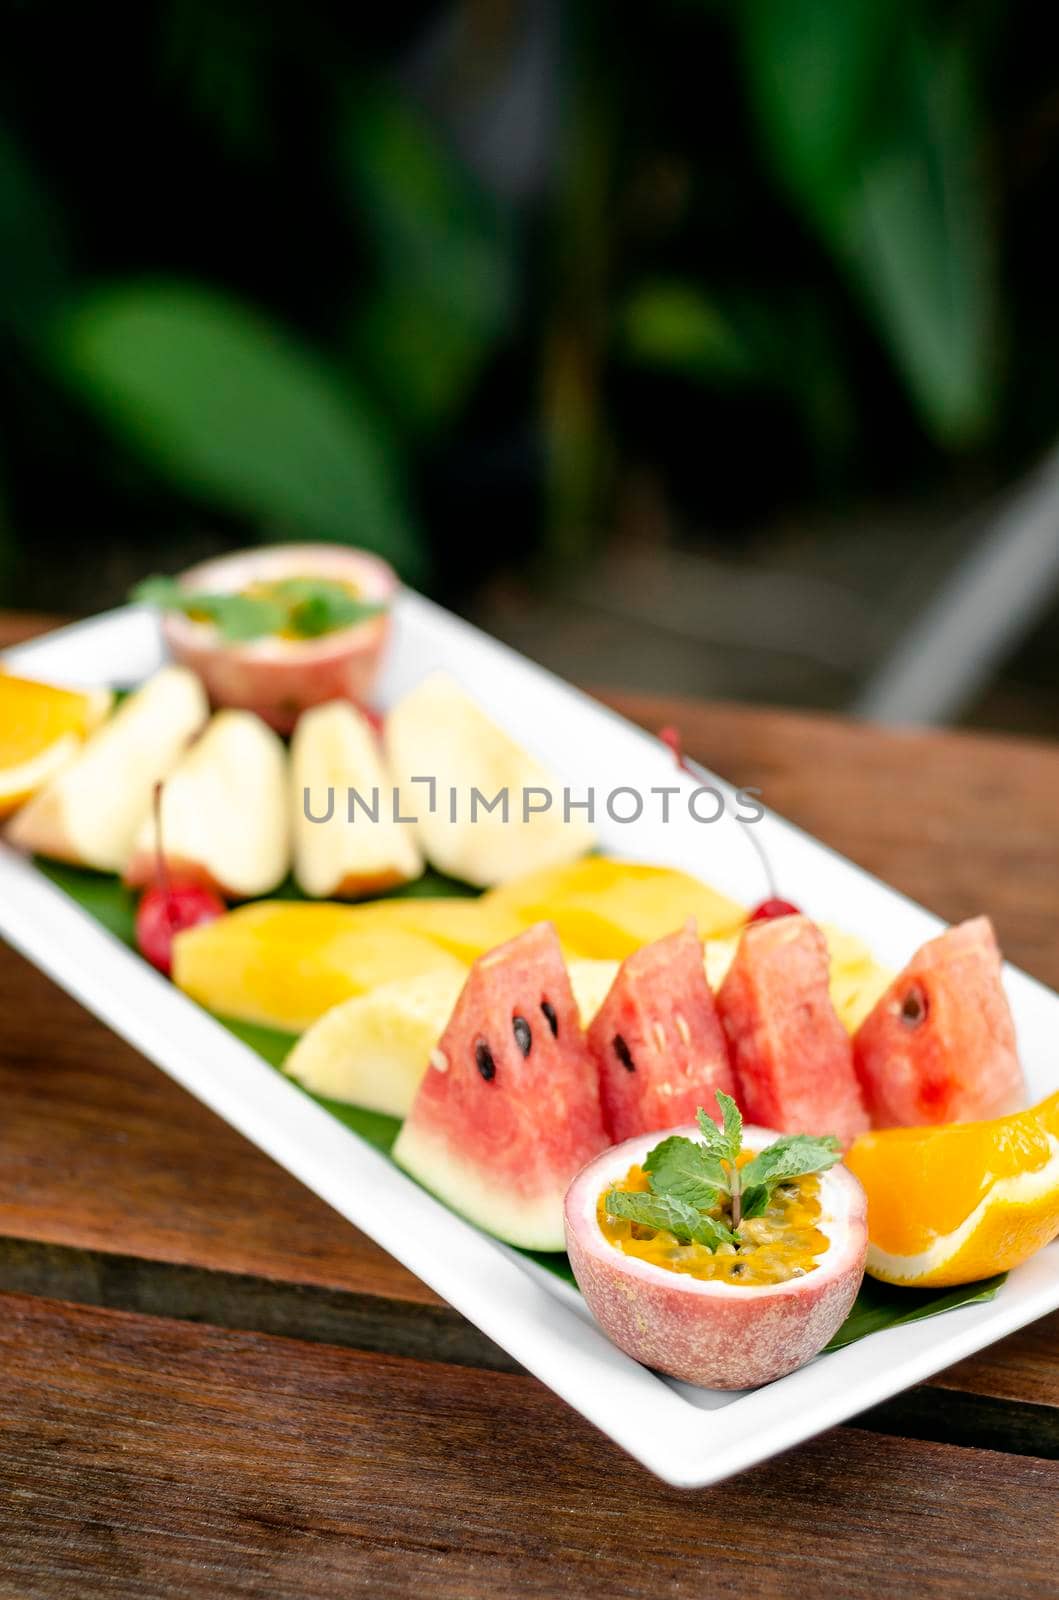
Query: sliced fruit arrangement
<point x="721" y="1255"/>
<point x="224" y="813"/>
<point x="92" y="811"/>
<point x="41" y="731"/>
<point x="373" y="1050"/>
<point x="278" y="629"/>
<point x="439" y="732"/>
<point x="607" y="908"/>
<point x="508" y="1110"/>
<point x="939" y="1046"/>
<point x="347" y="844"/>
<point x="656" y="1039"/>
<point x="282" y="964"/>
<point x="950" y="1205"/>
<point x="792" y="1057"/>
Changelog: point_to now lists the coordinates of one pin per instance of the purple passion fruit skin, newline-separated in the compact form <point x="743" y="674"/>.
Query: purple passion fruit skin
<point x="718" y="1331"/>
<point x="279" y="677"/>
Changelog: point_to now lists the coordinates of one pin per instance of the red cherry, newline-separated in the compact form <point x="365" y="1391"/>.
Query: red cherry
<point x="671" y="737"/>
<point x="170" y="905"/>
<point x="768" y="909"/>
<point x="165" y="910"/>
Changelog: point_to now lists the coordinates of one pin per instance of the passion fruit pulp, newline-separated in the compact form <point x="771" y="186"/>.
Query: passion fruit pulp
<point x="784" y="1242"/>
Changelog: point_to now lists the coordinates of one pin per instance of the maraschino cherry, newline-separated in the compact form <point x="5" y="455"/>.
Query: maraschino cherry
<point x="773" y="907"/>
<point x="170" y="905"/>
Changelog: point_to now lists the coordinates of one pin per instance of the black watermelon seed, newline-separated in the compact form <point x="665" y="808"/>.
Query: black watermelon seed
<point x="483" y="1057"/>
<point x="523" y="1037"/>
<point x="623" y="1053"/>
<point x="914" y="1007"/>
<point x="553" y="1020"/>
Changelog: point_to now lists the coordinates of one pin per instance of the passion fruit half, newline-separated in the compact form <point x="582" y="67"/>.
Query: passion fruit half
<point x="717" y="1332"/>
<point x="275" y="676"/>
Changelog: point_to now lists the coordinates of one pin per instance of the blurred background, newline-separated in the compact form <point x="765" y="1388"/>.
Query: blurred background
<point x="709" y="346"/>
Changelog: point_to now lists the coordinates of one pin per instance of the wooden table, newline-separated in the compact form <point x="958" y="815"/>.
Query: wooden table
<point x="212" y="1385"/>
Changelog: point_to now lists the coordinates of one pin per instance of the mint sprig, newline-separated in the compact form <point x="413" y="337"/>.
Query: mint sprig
<point x="303" y="607"/>
<point x="690" y="1178"/>
<point x="678" y="1217"/>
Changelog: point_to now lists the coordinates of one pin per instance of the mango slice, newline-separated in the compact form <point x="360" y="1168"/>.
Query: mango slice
<point x="283" y="963"/>
<point x="605" y="909"/>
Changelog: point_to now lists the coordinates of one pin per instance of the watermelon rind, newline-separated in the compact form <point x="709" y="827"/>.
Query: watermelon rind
<point x="531" y="1223"/>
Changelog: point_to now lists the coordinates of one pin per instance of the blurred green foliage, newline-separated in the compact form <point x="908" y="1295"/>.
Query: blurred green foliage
<point x="250" y="277"/>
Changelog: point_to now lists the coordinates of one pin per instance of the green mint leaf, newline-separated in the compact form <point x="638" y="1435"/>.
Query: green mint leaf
<point x="319" y="607"/>
<point x="305" y="607"/>
<point x="666" y="1211"/>
<point x="724" y="1142"/>
<point x="755" y="1201"/>
<point x="732" y="1123"/>
<point x="158" y="591"/>
<point x="685" y="1169"/>
<point x="792" y="1157"/>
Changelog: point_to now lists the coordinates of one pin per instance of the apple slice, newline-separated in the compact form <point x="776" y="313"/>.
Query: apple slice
<point x="452" y="763"/>
<point x="90" y="813"/>
<point x="225" y="813"/>
<point x="356" y="851"/>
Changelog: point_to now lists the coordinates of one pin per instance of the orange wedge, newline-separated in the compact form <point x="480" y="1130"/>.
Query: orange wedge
<point x="41" y="729"/>
<point x="951" y="1204"/>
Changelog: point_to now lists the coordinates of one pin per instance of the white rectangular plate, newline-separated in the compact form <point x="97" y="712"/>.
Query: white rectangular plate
<point x="688" y="1437"/>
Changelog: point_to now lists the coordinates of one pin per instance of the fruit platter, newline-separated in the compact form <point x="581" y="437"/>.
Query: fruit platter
<point x="718" y="1136"/>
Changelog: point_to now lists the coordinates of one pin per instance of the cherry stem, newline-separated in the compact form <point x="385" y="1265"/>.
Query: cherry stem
<point x="161" y="871"/>
<point x="671" y="738"/>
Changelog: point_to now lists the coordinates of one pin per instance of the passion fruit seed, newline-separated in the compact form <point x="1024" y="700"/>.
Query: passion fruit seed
<point x="523" y="1037"/>
<point x="483" y="1058"/>
<point x="552" y="1019"/>
<point x="623" y="1053"/>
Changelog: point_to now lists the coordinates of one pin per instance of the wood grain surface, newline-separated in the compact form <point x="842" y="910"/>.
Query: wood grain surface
<point x="369" y="1450"/>
<point x="146" y="1457"/>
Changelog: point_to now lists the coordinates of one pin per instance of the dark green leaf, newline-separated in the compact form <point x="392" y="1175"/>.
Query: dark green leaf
<point x="231" y="407"/>
<point x="882" y="1305"/>
<point x="445" y="258"/>
<point x="675" y="326"/>
<point x="683" y="1168"/>
<point x="871" y="125"/>
<point x="916" y="235"/>
<point x="816" y="70"/>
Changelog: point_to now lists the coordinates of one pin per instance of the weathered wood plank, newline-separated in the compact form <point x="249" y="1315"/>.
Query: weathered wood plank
<point x="142" y="1457"/>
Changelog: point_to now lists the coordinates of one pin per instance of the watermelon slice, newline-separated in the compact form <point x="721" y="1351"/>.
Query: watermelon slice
<point x="792" y="1057"/>
<point x="657" y="1041"/>
<point x="508" y="1111"/>
<point x="940" y="1044"/>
